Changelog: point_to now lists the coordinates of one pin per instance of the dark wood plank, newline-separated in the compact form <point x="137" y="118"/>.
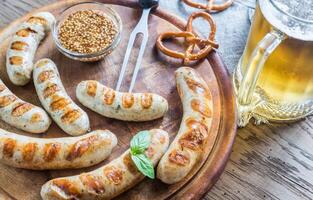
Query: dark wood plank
<point x="13" y="9"/>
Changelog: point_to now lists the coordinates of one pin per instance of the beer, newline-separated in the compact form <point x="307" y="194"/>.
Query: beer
<point x="285" y="83"/>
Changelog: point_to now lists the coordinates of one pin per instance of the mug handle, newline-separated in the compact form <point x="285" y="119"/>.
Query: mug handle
<point x="255" y="65"/>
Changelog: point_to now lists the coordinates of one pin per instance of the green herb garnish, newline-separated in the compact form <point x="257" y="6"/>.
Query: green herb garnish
<point x="138" y="145"/>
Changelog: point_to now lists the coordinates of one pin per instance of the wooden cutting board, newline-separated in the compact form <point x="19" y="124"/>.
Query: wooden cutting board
<point x="156" y="75"/>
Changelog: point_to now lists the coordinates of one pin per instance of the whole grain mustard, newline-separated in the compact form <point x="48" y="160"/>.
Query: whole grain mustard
<point x="87" y="31"/>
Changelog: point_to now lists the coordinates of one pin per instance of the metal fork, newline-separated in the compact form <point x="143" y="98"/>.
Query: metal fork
<point x="141" y="28"/>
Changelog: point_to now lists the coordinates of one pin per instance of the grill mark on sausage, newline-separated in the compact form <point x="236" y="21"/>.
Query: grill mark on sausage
<point x="93" y="183"/>
<point x="92" y="88"/>
<point x="25" y="32"/>
<point x="16" y="60"/>
<point x="37" y="20"/>
<point x="195" y="136"/>
<point x="177" y="157"/>
<point x="192" y="123"/>
<point x="146" y="100"/>
<point x="128" y="100"/>
<point x="8" y="147"/>
<point x="198" y="88"/>
<point x="59" y="103"/>
<point x="29" y="151"/>
<point x="36" y="117"/>
<point x="159" y="137"/>
<point x="45" y="75"/>
<point x="162" y="139"/>
<point x="149" y="152"/>
<point x="7" y="100"/>
<point x="81" y="147"/>
<point x="113" y="174"/>
<point x="50" y="90"/>
<point x="18" y="74"/>
<point x="51" y="150"/>
<point x="19" y="46"/>
<point x="2" y="87"/>
<point x="42" y="63"/>
<point x="128" y="162"/>
<point x="70" y="116"/>
<point x="67" y="187"/>
<point x="21" y="108"/>
<point x="108" y="96"/>
<point x="201" y="107"/>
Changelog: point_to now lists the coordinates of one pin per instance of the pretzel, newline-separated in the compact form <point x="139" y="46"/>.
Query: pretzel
<point x="167" y="35"/>
<point x="191" y="39"/>
<point x="210" y="6"/>
<point x="208" y="43"/>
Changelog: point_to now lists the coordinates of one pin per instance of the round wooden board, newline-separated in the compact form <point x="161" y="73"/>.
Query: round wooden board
<point x="156" y="75"/>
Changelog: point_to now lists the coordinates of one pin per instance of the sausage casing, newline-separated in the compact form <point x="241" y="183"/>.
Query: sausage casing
<point x="108" y="181"/>
<point x="21" y="114"/>
<point x="55" y="153"/>
<point x="188" y="146"/>
<point x="119" y="105"/>
<point x="23" y="46"/>
<point x="52" y="95"/>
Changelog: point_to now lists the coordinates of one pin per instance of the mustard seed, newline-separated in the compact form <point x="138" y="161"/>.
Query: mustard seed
<point x="87" y="31"/>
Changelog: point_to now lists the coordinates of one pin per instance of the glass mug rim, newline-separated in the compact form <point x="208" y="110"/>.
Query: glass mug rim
<point x="274" y="4"/>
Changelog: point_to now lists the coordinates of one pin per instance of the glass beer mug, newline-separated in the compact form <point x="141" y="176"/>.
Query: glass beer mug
<point x="274" y="77"/>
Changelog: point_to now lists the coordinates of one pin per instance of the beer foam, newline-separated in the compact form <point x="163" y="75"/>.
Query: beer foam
<point x="293" y="17"/>
<point x="302" y="9"/>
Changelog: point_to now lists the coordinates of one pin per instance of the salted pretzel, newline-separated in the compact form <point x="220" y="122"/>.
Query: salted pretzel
<point x="191" y="39"/>
<point x="210" y="6"/>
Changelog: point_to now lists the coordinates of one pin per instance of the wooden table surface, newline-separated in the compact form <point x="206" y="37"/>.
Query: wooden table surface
<point x="268" y="161"/>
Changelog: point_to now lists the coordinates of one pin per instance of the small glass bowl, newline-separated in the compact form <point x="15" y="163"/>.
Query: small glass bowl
<point x="91" y="57"/>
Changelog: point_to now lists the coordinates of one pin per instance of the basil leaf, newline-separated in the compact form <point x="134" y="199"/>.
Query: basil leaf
<point x="144" y="165"/>
<point x="140" y="142"/>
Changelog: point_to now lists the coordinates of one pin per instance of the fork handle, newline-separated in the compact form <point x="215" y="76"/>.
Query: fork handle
<point x="148" y="3"/>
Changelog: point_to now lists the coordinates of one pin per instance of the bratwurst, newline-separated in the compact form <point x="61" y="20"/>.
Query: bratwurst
<point x="108" y="181"/>
<point x="24" y="44"/>
<point x="119" y="105"/>
<point x="52" y="95"/>
<point x="21" y="114"/>
<point x="188" y="146"/>
<point x="55" y="153"/>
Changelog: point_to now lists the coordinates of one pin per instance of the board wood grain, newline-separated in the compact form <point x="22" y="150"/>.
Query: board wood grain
<point x="156" y="75"/>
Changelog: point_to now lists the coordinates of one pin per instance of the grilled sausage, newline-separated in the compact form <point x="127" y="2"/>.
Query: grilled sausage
<point x="51" y="92"/>
<point x="55" y="153"/>
<point x="118" y="105"/>
<point x="108" y="181"/>
<point x="21" y="114"/>
<point x="188" y="146"/>
<point x="23" y="46"/>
